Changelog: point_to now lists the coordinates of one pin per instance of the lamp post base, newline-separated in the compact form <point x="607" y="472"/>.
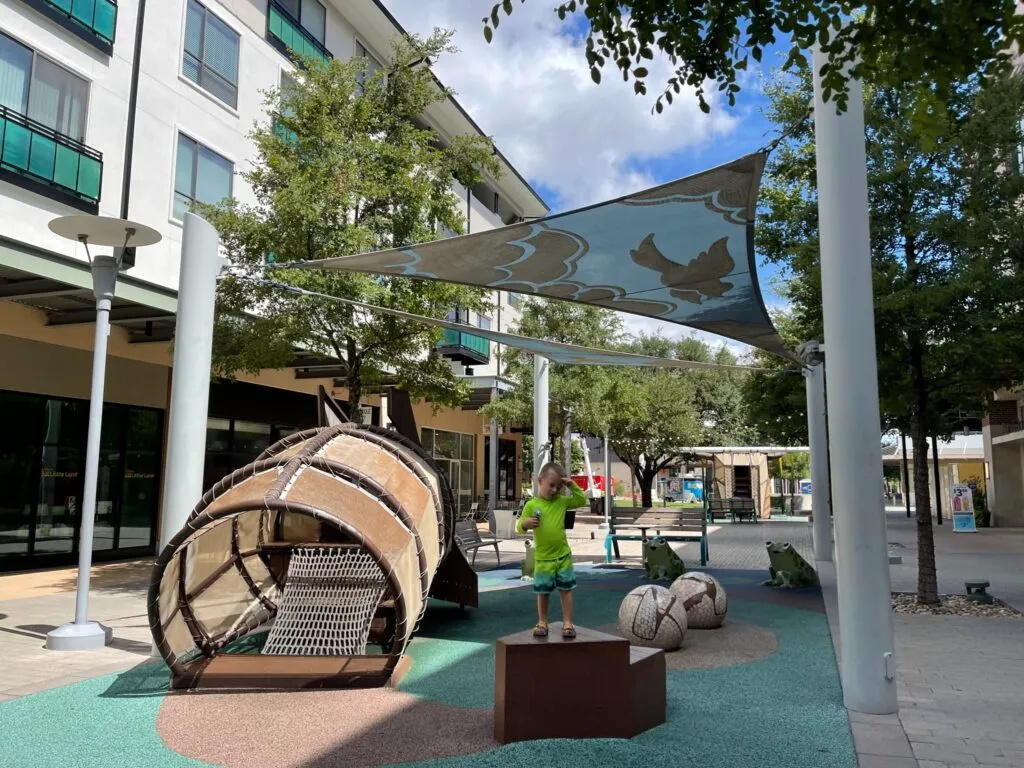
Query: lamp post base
<point x="79" y="637"/>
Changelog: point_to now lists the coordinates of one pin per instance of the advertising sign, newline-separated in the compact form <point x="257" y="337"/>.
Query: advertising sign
<point x="962" y="504"/>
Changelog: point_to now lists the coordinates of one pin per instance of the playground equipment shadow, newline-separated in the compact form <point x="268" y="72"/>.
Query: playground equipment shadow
<point x="784" y="711"/>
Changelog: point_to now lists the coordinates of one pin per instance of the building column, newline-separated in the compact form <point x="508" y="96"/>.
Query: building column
<point x="817" y="433"/>
<point x="865" y="612"/>
<point x="492" y="463"/>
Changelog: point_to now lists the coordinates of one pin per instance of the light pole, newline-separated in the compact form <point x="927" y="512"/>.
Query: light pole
<point x="540" y="416"/>
<point x="124" y="236"/>
<point x="607" y="485"/>
<point x="862" y="562"/>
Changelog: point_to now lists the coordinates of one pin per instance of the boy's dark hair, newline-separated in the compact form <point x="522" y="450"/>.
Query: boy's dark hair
<point x="552" y="466"/>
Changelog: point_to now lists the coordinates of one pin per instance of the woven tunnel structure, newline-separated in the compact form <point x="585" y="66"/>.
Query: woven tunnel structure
<point x="309" y="567"/>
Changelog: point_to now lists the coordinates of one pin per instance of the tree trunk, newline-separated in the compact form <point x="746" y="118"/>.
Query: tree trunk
<point x="354" y="381"/>
<point x="646" y="477"/>
<point x="927" y="582"/>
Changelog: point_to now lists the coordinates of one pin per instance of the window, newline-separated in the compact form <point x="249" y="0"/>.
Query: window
<point x="211" y="54"/>
<point x="514" y="299"/>
<point x="42" y="90"/>
<point x="483" y="322"/>
<point x="497" y="202"/>
<point x="311" y="15"/>
<point x="372" y="68"/>
<point x="201" y="175"/>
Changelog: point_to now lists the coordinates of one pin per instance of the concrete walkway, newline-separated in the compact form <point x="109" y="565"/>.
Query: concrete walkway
<point x="959" y="678"/>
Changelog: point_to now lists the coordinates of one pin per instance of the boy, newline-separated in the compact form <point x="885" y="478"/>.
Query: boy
<point x="545" y="516"/>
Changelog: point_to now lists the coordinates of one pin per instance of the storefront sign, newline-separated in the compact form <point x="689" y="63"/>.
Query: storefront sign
<point x="962" y="504"/>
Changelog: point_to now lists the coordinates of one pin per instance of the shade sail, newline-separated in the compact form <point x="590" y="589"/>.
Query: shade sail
<point x="569" y="354"/>
<point x="681" y="252"/>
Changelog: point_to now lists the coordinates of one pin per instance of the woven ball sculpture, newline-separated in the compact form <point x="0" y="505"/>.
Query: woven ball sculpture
<point x="703" y="599"/>
<point x="650" y="616"/>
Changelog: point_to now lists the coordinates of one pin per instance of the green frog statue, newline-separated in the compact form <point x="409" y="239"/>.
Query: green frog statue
<point x="660" y="561"/>
<point x="787" y="568"/>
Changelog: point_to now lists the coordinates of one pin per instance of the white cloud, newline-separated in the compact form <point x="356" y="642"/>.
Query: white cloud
<point x="531" y="90"/>
<point x="650" y="326"/>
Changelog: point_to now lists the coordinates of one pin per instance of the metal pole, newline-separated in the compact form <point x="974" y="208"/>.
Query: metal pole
<point x="906" y="473"/>
<point x="821" y="530"/>
<point x="190" y="381"/>
<point x="608" y="500"/>
<point x="492" y="462"/>
<point x="865" y="612"/>
<point x="938" y="479"/>
<point x="83" y="634"/>
<point x="540" y="416"/>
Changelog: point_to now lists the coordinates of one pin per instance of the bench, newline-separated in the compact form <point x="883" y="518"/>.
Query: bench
<point x="734" y="506"/>
<point x="680" y="524"/>
<point x="467" y="537"/>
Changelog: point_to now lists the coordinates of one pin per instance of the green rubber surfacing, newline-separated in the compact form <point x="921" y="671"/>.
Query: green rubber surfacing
<point x="784" y="711"/>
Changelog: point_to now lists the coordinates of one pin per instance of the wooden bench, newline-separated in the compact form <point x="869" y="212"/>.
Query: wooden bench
<point x="679" y="524"/>
<point x="735" y="507"/>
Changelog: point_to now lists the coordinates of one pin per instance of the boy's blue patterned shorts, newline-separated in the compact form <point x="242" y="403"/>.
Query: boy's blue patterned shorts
<point x="549" y="575"/>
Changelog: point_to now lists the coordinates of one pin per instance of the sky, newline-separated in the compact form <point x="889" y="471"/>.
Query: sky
<point x="575" y="141"/>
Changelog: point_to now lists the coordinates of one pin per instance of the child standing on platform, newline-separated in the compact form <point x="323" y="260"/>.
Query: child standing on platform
<point x="545" y="516"/>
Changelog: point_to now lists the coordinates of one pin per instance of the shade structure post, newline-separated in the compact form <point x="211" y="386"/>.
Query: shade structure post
<point x="608" y="499"/>
<point x="492" y="463"/>
<point x="190" y="381"/>
<point x="865" y="612"/>
<point x="82" y="634"/>
<point x="540" y="416"/>
<point x="817" y="434"/>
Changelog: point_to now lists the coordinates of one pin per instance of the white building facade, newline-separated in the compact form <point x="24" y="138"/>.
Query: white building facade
<point x="133" y="109"/>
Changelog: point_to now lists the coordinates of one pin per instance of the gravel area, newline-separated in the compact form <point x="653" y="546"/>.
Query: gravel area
<point x="953" y="605"/>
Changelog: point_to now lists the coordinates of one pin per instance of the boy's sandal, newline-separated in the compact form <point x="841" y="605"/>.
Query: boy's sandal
<point x="540" y="630"/>
<point x="568" y="633"/>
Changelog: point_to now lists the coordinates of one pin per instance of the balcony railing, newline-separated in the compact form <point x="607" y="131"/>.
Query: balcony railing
<point x="286" y="34"/>
<point x="464" y="346"/>
<point x="95" y="21"/>
<point x="1000" y="430"/>
<point x="44" y="160"/>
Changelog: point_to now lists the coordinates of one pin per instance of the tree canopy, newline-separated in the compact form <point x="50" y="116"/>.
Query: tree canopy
<point x="916" y="45"/>
<point x="946" y="239"/>
<point x="345" y="165"/>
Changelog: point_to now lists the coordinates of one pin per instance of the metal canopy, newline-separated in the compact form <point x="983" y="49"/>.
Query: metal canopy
<point x="681" y="252"/>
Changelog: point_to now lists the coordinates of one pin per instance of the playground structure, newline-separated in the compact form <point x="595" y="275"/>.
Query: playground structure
<point x="333" y="538"/>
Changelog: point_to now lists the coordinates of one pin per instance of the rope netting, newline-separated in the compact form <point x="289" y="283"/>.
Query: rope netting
<point x="330" y="597"/>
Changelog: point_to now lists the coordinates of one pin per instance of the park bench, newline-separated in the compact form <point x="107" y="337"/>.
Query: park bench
<point x="673" y="524"/>
<point x="467" y="536"/>
<point x="735" y="507"/>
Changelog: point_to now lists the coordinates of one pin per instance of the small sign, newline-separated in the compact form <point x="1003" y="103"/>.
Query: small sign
<point x="805" y="487"/>
<point x="962" y="504"/>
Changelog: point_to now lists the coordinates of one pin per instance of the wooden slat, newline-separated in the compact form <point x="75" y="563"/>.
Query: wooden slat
<point x="258" y="671"/>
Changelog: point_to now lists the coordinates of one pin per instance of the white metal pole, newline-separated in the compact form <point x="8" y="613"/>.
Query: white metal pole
<point x="540" y="416"/>
<point x="84" y="634"/>
<point x="865" y="613"/>
<point x="492" y="463"/>
<point x="190" y="381"/>
<point x="821" y="511"/>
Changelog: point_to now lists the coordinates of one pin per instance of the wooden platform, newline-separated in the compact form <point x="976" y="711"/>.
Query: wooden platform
<point x="595" y="686"/>
<point x="259" y="672"/>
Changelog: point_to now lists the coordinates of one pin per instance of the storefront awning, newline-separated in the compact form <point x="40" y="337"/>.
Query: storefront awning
<point x="681" y="252"/>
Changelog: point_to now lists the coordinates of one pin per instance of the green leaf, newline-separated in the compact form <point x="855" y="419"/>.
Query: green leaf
<point x="507" y="5"/>
<point x="640" y="72"/>
<point x="595" y="75"/>
<point x="488" y="34"/>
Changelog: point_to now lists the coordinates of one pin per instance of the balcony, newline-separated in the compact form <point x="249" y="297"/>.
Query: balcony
<point x="44" y="161"/>
<point x="1007" y="433"/>
<point x="289" y="37"/>
<point x="464" y="347"/>
<point x="94" y="21"/>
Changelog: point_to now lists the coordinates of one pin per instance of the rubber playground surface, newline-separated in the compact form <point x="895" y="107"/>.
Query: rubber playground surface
<point x="762" y="692"/>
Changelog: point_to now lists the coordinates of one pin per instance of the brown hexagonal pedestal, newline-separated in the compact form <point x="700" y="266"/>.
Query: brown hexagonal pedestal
<point x="595" y="686"/>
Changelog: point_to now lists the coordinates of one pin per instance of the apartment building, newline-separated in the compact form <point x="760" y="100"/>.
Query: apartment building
<point x="134" y="109"/>
<point x="1003" y="437"/>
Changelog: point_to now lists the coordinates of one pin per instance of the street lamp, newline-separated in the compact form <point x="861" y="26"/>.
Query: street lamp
<point x="124" y="237"/>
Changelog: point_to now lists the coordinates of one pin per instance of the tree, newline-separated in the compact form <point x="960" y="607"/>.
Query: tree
<point x="774" y="393"/>
<point x="575" y="392"/>
<point x="947" y="251"/>
<point x="917" y="45"/>
<point x="723" y="414"/>
<point x="794" y="468"/>
<point x="344" y="166"/>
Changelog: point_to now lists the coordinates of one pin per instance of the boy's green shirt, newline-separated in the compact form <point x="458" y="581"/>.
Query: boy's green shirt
<point x="549" y="537"/>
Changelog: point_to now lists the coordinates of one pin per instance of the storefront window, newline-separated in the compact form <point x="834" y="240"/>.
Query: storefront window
<point x="232" y="443"/>
<point x="454" y="454"/>
<point x="42" y="476"/>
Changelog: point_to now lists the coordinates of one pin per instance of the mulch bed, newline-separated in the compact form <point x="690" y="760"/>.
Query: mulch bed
<point x="954" y="605"/>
